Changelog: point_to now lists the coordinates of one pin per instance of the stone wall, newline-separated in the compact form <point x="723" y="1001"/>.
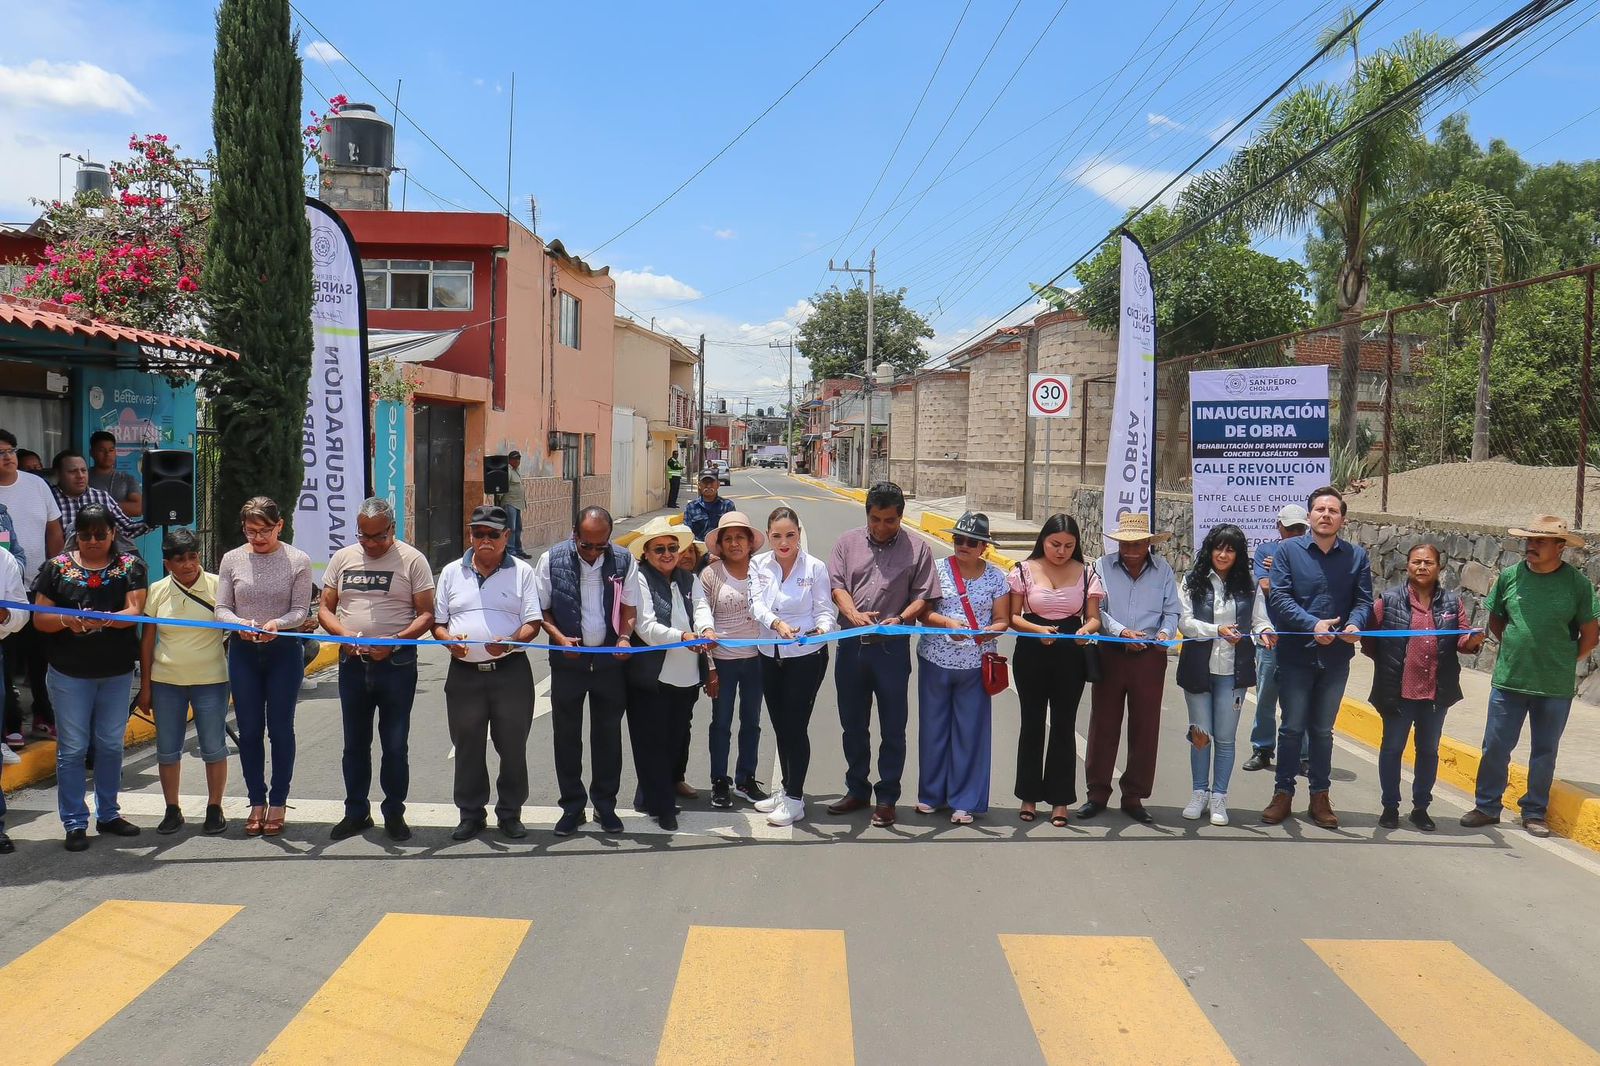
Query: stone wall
<point x="938" y="429"/>
<point x="996" y="429"/>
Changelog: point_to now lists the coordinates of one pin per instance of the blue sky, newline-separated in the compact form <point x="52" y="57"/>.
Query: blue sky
<point x="618" y="103"/>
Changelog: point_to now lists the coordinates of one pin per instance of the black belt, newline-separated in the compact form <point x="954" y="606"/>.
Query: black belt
<point x="492" y="665"/>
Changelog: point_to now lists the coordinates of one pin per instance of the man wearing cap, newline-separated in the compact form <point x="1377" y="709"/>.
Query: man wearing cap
<point x="589" y="589"/>
<point x="1543" y="612"/>
<point x="707" y="509"/>
<point x="1141" y="604"/>
<point x="1321" y="584"/>
<point x="726" y="614"/>
<point x="488" y="598"/>
<point x="880" y="575"/>
<point x="1292" y="521"/>
<point x="515" y="501"/>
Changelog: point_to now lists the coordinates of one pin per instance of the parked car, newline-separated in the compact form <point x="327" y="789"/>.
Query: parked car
<point x="720" y="468"/>
<point x="775" y="462"/>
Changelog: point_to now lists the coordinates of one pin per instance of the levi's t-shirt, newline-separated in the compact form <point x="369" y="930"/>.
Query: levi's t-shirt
<point x="375" y="595"/>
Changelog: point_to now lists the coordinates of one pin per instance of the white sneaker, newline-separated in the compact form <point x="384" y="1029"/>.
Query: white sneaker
<point x="1197" y="804"/>
<point x="771" y="803"/>
<point x="790" y="811"/>
<point x="1219" y="808"/>
<point x="7" y="756"/>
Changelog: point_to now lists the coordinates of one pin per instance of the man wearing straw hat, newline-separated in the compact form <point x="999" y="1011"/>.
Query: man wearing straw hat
<point x="1543" y="612"/>
<point x="1141" y="603"/>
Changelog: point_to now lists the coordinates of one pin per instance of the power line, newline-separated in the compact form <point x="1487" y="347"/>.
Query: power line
<point x="738" y="136"/>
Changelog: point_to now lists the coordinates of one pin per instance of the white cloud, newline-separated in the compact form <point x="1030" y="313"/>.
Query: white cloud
<point x="724" y="234"/>
<point x="1123" y="184"/>
<point x="1163" y="122"/>
<point x="69" y="86"/>
<point x="635" y="287"/>
<point x="323" y="51"/>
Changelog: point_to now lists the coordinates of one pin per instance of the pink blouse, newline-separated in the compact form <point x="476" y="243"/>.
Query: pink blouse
<point x="1047" y="602"/>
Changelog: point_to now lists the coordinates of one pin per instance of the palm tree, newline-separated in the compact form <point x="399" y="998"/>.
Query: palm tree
<point x="1357" y="191"/>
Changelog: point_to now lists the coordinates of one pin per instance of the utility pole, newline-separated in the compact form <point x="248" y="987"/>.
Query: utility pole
<point x="788" y="440"/>
<point x="700" y="413"/>
<point x="871" y="272"/>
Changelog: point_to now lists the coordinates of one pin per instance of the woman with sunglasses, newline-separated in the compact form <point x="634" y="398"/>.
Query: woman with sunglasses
<point x="265" y="584"/>
<point x="790" y="596"/>
<point x="953" y="707"/>
<point x="1053" y="591"/>
<point x="662" y="685"/>
<point x="91" y="669"/>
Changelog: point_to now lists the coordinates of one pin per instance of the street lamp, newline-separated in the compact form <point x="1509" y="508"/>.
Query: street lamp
<point x="60" y="186"/>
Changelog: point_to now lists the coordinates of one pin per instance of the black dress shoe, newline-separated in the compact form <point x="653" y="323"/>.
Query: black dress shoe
<point x="6" y="847"/>
<point x="396" y="828"/>
<point x="77" y="840"/>
<point x="469" y="828"/>
<point x="610" y="823"/>
<point x="215" y="823"/>
<point x="1390" y="818"/>
<point x="117" y="827"/>
<point x="669" y="822"/>
<point x="1090" y="808"/>
<point x="1260" y="759"/>
<point x="350" y="825"/>
<point x="1137" y="812"/>
<point x="1420" y="819"/>
<point x="568" y="823"/>
<point x="513" y="828"/>
<point x="172" y="821"/>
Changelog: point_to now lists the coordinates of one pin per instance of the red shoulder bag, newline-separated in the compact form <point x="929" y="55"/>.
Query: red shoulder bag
<point x="996" y="671"/>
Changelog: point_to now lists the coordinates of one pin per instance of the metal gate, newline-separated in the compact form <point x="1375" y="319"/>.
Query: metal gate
<point x="439" y="459"/>
<point x="207" y="467"/>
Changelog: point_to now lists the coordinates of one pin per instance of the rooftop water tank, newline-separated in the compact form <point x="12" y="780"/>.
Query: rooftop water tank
<point x="360" y="138"/>
<point x="93" y="178"/>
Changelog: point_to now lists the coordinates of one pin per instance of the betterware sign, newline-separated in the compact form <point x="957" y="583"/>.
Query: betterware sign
<point x="1258" y="440"/>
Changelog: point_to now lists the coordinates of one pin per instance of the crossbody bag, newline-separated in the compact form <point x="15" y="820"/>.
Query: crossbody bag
<point x="996" y="670"/>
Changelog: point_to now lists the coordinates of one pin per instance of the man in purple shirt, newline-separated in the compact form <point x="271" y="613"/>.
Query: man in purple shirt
<point x="881" y="575"/>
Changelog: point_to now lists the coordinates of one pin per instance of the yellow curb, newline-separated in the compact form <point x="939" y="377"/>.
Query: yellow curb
<point x="39" y="758"/>
<point x="1574" y="811"/>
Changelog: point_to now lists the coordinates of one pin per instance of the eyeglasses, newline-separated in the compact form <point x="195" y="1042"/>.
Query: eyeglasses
<point x="94" y="534"/>
<point x="376" y="538"/>
<point x="257" y="534"/>
<point x="585" y="546"/>
<point x="7" y="453"/>
<point x="663" y="549"/>
<point x="968" y="542"/>
<point x="487" y="534"/>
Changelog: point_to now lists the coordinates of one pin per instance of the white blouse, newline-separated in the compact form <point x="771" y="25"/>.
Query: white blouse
<point x="1226" y="615"/>
<point x="803" y="600"/>
<point x="681" y="666"/>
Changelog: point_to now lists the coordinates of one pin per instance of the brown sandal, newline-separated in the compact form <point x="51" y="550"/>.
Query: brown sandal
<point x="274" y="826"/>
<point x="256" y="822"/>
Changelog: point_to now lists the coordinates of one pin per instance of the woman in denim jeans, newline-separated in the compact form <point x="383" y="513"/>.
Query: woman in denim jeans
<point x="1220" y="607"/>
<point x="91" y="669"/>
<point x="184" y="666"/>
<point x="264" y="584"/>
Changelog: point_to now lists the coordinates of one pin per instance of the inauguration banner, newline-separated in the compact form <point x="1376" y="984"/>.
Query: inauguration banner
<point x="1258" y="440"/>
<point x="1130" y="451"/>
<point x="334" y="444"/>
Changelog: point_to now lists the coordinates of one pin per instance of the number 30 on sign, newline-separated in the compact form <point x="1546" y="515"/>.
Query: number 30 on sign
<point x="1049" y="395"/>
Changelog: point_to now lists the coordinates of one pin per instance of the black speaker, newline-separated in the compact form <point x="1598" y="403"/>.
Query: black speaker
<point x="496" y="474"/>
<point x="168" y="487"/>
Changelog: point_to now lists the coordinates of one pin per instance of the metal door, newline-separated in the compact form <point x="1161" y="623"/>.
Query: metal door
<point x="439" y="460"/>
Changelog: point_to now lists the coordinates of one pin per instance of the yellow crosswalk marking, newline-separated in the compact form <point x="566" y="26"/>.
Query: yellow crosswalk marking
<point x="411" y="992"/>
<point x="797" y="1013"/>
<point x="1446" y="1006"/>
<point x="1109" y="999"/>
<point x="82" y="977"/>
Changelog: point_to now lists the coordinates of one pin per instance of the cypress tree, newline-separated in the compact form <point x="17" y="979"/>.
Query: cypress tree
<point x="258" y="260"/>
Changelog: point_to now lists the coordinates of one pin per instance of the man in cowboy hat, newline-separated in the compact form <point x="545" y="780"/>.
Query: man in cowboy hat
<point x="1321" y="584"/>
<point x="1543" y="612"/>
<point x="727" y="614"/>
<point x="1141" y="603"/>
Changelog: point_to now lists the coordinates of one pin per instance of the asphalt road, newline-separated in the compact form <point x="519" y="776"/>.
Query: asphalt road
<point x="998" y="942"/>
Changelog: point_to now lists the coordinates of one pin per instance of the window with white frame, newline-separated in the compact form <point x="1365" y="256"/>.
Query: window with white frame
<point x="418" y="284"/>
<point x="571" y="308"/>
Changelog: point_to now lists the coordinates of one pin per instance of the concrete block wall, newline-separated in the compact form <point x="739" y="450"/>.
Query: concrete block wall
<point x="996" y="429"/>
<point x="548" y="518"/>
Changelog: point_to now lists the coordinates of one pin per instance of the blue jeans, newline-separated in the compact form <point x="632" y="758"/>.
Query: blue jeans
<point x="89" y="711"/>
<point x="1547" y="719"/>
<point x="266" y="685"/>
<point x="953" y="738"/>
<point x="1309" y="693"/>
<point x="515" y="545"/>
<point x="386" y="688"/>
<point x="1264" y="736"/>
<point x="878" y="670"/>
<point x="1427" y="718"/>
<point x="738" y="679"/>
<point x="172" y="704"/>
<point x="1215" y="713"/>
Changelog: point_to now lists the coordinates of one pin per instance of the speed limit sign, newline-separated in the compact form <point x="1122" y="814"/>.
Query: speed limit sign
<point x="1049" y="395"/>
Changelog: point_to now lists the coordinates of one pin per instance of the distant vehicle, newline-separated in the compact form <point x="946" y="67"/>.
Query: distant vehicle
<point x="720" y="468"/>
<point x="775" y="462"/>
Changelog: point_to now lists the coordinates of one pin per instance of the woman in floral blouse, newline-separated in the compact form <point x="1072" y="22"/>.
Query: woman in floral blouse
<point x="91" y="669"/>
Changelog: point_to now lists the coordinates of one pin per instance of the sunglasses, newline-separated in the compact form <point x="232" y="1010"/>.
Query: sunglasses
<point x="585" y="546"/>
<point x="94" y="534"/>
<point x="968" y="542"/>
<point x="663" y="549"/>
<point x="487" y="534"/>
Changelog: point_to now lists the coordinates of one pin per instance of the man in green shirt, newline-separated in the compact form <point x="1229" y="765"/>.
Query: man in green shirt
<point x="674" y="479"/>
<point x="1544" y="613"/>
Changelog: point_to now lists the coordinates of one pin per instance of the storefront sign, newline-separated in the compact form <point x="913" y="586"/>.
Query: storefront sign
<point x="389" y="459"/>
<point x="143" y="411"/>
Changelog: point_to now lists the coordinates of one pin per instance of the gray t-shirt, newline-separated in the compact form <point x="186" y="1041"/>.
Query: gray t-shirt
<point x="119" y="483"/>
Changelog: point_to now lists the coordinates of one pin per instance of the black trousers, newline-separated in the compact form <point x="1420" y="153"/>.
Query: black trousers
<point x="673" y="483"/>
<point x="1050" y="684"/>
<point x="604" y="688"/>
<point x="484" y="705"/>
<point x="791" y="686"/>
<point x="658" y="728"/>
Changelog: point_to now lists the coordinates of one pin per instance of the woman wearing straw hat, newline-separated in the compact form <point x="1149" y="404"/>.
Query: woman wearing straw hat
<point x="726" y="615"/>
<point x="662" y="685"/>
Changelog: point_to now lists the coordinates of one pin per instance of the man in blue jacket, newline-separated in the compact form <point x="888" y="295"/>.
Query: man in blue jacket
<point x="1321" y="585"/>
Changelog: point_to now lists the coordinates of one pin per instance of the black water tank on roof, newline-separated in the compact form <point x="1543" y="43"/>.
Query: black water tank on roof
<point x="360" y="137"/>
<point x="93" y="177"/>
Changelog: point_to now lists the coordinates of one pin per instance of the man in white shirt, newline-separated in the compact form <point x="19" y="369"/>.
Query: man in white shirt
<point x="589" y="591"/>
<point x="36" y="518"/>
<point x="488" y="597"/>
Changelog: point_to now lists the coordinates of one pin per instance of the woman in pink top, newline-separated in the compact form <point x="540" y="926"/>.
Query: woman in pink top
<point x="1052" y="591"/>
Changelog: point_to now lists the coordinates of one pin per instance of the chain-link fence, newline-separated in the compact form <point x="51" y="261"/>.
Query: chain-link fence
<point x="1475" y="407"/>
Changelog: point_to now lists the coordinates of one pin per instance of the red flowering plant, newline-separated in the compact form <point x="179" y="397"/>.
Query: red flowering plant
<point x="315" y="133"/>
<point x="137" y="255"/>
